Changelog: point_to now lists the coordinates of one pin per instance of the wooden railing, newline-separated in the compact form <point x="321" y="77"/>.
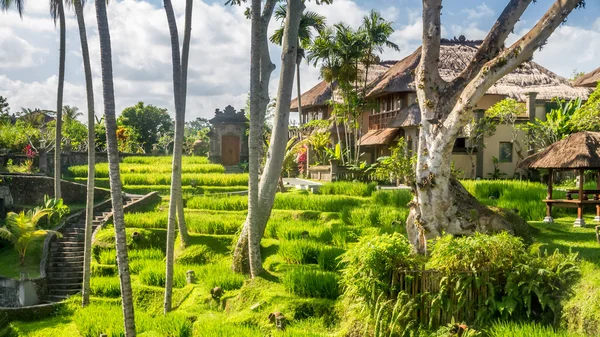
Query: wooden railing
<point x="381" y="120"/>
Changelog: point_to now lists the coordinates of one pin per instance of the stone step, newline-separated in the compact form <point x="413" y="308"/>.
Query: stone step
<point x="60" y="248"/>
<point x="63" y="292"/>
<point x="63" y="265"/>
<point x="60" y="274"/>
<point x="71" y="243"/>
<point x="67" y="258"/>
<point x="57" y="298"/>
<point x="65" y="286"/>
<point x="73" y="268"/>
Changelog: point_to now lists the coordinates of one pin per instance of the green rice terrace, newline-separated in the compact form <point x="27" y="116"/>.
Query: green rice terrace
<point x="337" y="264"/>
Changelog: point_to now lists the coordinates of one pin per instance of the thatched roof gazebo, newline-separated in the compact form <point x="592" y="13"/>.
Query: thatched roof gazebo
<point x="579" y="151"/>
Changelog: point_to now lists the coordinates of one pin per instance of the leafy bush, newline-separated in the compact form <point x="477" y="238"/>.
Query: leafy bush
<point x="307" y="282"/>
<point x="356" y="189"/>
<point x="369" y="265"/>
<point x="105" y="286"/>
<point x="396" y="198"/>
<point x="197" y="254"/>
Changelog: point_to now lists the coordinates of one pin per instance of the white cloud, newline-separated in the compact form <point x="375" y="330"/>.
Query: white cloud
<point x="478" y="12"/>
<point x="17" y="52"/>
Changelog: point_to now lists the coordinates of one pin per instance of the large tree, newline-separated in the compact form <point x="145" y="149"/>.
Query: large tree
<point x="57" y="11"/>
<point x="116" y="191"/>
<point x="180" y="63"/>
<point x="148" y="121"/>
<point x="73" y="113"/>
<point x="247" y="255"/>
<point x="441" y="204"/>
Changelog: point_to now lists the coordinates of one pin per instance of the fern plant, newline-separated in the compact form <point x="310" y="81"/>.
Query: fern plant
<point x="21" y="230"/>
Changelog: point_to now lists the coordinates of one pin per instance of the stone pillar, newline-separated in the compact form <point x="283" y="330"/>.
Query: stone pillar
<point x="530" y="102"/>
<point x="333" y="170"/>
<point x="43" y="157"/>
<point x="190" y="276"/>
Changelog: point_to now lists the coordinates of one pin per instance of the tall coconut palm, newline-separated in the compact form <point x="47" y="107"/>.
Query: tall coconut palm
<point x="180" y="65"/>
<point x="108" y="93"/>
<point x="57" y="11"/>
<point x="73" y="113"/>
<point x="310" y="21"/>
<point x="6" y="4"/>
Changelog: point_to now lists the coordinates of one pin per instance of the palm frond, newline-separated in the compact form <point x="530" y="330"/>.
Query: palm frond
<point x="6" y="4"/>
<point x="6" y="234"/>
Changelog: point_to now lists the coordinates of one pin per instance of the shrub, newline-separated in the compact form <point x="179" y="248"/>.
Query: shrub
<point x="369" y="264"/>
<point x="197" y="254"/>
<point x="356" y="189"/>
<point x="105" y="286"/>
<point x="300" y="251"/>
<point x="307" y="282"/>
<point x="396" y="198"/>
<point x="154" y="275"/>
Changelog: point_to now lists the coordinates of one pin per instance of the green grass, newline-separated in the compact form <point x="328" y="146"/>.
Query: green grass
<point x="397" y="198"/>
<point x="356" y="189"/>
<point x="10" y="264"/>
<point x="300" y="251"/>
<point x="154" y="275"/>
<point x="105" y="287"/>
<point x="203" y="222"/>
<point x="198" y="179"/>
<point x="164" y="160"/>
<point x="308" y="282"/>
<point x="102" y="169"/>
<point x="288" y="201"/>
<point x="527" y="329"/>
<point x="62" y="326"/>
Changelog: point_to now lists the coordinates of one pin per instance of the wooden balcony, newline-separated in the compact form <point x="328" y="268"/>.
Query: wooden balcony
<point x="382" y="120"/>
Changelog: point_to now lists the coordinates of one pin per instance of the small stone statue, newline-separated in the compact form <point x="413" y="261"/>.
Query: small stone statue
<point x="216" y="293"/>
<point x="278" y="319"/>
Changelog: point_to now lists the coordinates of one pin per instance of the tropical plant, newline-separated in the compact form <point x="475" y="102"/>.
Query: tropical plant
<point x="55" y="210"/>
<point x="21" y="230"/>
<point x="319" y="142"/>
<point x="399" y="166"/>
<point x="587" y="117"/>
<point x="146" y="123"/>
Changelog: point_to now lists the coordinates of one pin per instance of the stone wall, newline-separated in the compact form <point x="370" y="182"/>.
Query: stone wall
<point x="30" y="190"/>
<point x="9" y="291"/>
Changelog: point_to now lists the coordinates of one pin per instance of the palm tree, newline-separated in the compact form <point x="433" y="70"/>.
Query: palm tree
<point x="74" y="113"/>
<point x="57" y="11"/>
<point x="71" y="113"/>
<point x="113" y="165"/>
<point x="6" y="4"/>
<point x="21" y="230"/>
<point x="310" y="21"/>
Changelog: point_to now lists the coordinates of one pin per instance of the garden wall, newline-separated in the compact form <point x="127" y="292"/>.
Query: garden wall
<point x="9" y="291"/>
<point x="30" y="189"/>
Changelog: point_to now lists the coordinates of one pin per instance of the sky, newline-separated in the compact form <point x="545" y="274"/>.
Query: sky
<point x="220" y="48"/>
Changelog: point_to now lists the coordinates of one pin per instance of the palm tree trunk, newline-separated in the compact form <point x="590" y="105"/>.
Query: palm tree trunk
<point x="59" y="99"/>
<point x="89" y="209"/>
<point x="113" y="165"/>
<point x="177" y="154"/>
<point x="185" y="53"/>
<point x="299" y="89"/>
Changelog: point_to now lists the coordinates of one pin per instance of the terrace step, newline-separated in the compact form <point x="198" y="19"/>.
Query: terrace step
<point x="65" y="266"/>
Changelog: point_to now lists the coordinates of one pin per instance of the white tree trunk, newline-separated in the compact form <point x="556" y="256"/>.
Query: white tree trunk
<point x="441" y="204"/>
<point x="59" y="100"/>
<point x="89" y="209"/>
<point x="113" y="166"/>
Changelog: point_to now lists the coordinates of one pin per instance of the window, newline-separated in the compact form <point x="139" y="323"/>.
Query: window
<point x="460" y="145"/>
<point x="506" y="151"/>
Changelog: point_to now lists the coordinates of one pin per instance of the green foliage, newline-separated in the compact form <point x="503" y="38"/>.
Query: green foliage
<point x="526" y="329"/>
<point x="397" y="167"/>
<point x="587" y="118"/>
<point x="329" y="258"/>
<point x="103" y="270"/>
<point x="196" y="254"/>
<point x="105" y="286"/>
<point x="56" y="210"/>
<point x="107" y="257"/>
<point x="308" y="282"/>
<point x="16" y="136"/>
<point x="21" y="230"/>
<point x="205" y="222"/>
<point x="581" y="312"/>
<point x="209" y="179"/>
<point x="154" y="275"/>
<point x="370" y="263"/>
<point x="219" y="274"/>
<point x="101" y="170"/>
<point x="357" y="189"/>
<point x="300" y="251"/>
<point x="148" y="122"/>
<point x="397" y="198"/>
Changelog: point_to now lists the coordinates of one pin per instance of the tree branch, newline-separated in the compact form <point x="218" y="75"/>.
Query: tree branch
<point x="508" y="60"/>
<point x="493" y="43"/>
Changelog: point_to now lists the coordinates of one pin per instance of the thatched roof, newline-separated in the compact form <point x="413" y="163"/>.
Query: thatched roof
<point x="590" y="79"/>
<point x="321" y="93"/>
<point x="454" y="58"/>
<point x="579" y="150"/>
<point x="408" y="116"/>
<point x="379" y="137"/>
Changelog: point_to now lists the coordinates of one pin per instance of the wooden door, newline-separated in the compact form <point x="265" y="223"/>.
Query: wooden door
<point x="230" y="150"/>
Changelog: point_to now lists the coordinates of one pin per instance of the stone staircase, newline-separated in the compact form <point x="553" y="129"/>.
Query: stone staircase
<point x="65" y="260"/>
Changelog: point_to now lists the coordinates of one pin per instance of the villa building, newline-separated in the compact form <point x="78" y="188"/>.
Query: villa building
<point x="395" y="112"/>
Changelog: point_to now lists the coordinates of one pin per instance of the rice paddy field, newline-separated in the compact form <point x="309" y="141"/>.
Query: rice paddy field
<point x="304" y="239"/>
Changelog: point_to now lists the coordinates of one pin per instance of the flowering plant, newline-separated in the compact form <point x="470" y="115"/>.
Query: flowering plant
<point x="301" y="160"/>
<point x="30" y="153"/>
